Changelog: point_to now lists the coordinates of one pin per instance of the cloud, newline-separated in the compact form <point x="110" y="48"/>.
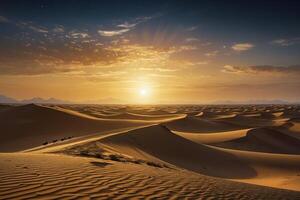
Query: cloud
<point x="212" y="53"/>
<point x="162" y="75"/>
<point x="199" y="63"/>
<point x="186" y="48"/>
<point x="59" y="29"/>
<point x="60" y="50"/>
<point x="157" y="69"/>
<point x="191" y="39"/>
<point x="77" y="34"/>
<point x="192" y="28"/>
<point x="25" y="25"/>
<point x="113" y="73"/>
<point x="127" y="25"/>
<point x="110" y="33"/>
<point x="124" y="27"/>
<point x="242" y="46"/>
<point x="42" y="57"/>
<point x="38" y="29"/>
<point x="262" y="69"/>
<point x="286" y="42"/>
<point x="73" y="56"/>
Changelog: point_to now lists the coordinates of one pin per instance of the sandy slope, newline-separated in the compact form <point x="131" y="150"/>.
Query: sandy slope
<point x="264" y="140"/>
<point x="31" y="125"/>
<point x="213" y="138"/>
<point x="122" y="113"/>
<point x="45" y="176"/>
<point x="247" y="121"/>
<point x="177" y="151"/>
<point x="134" y="116"/>
<point x="195" y="124"/>
<point x="172" y="150"/>
<point x="274" y="170"/>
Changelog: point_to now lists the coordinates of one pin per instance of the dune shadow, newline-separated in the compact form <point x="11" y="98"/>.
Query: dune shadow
<point x="159" y="142"/>
<point x="265" y="140"/>
<point x="100" y="164"/>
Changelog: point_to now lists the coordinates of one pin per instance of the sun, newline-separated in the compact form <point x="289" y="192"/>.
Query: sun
<point x="143" y="92"/>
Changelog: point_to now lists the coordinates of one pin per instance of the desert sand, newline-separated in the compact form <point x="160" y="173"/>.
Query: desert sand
<point x="149" y="152"/>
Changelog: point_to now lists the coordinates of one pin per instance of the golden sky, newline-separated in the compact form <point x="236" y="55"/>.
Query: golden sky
<point x="144" y="57"/>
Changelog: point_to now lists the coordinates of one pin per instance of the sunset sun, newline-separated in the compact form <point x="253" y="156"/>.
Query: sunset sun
<point x="143" y="92"/>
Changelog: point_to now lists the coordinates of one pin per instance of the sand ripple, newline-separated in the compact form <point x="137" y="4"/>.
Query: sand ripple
<point x="44" y="176"/>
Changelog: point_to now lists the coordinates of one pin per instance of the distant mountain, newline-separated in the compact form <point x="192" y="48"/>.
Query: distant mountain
<point x="45" y="101"/>
<point x="275" y="101"/>
<point x="5" y="99"/>
<point x="8" y="100"/>
<point x="38" y="100"/>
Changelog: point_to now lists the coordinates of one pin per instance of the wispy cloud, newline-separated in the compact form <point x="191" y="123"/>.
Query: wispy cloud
<point x="262" y="69"/>
<point x="25" y="25"/>
<point x="111" y="33"/>
<point x="58" y="29"/>
<point x="124" y="27"/>
<point x="286" y="42"/>
<point x="242" y="46"/>
<point x="38" y="29"/>
<point x="192" y="28"/>
<point x="185" y="48"/>
<point x="192" y="39"/>
<point x="78" y="34"/>
<point x="127" y="25"/>
<point x="159" y="69"/>
<point x="212" y="53"/>
<point x="162" y="75"/>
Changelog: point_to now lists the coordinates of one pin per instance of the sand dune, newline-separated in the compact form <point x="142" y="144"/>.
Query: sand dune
<point x="213" y="115"/>
<point x="173" y="150"/>
<point x="194" y="124"/>
<point x="128" y="113"/>
<point x="274" y="170"/>
<point x="31" y="125"/>
<point x="45" y="176"/>
<point x="248" y="121"/>
<point x="146" y="152"/>
<point x="144" y="144"/>
<point x="141" y="116"/>
<point x="265" y="140"/>
<point x="212" y="138"/>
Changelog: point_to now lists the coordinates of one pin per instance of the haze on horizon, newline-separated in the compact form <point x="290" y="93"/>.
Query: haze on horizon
<point x="150" y="52"/>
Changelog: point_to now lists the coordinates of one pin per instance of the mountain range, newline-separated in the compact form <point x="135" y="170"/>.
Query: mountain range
<point x="9" y="100"/>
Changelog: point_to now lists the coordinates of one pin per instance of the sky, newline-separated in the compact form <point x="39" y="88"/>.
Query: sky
<point x="150" y="51"/>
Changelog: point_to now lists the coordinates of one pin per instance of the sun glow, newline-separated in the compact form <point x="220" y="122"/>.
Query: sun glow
<point x="144" y="92"/>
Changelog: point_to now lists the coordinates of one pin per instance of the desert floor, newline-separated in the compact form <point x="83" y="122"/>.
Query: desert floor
<point x="149" y="152"/>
